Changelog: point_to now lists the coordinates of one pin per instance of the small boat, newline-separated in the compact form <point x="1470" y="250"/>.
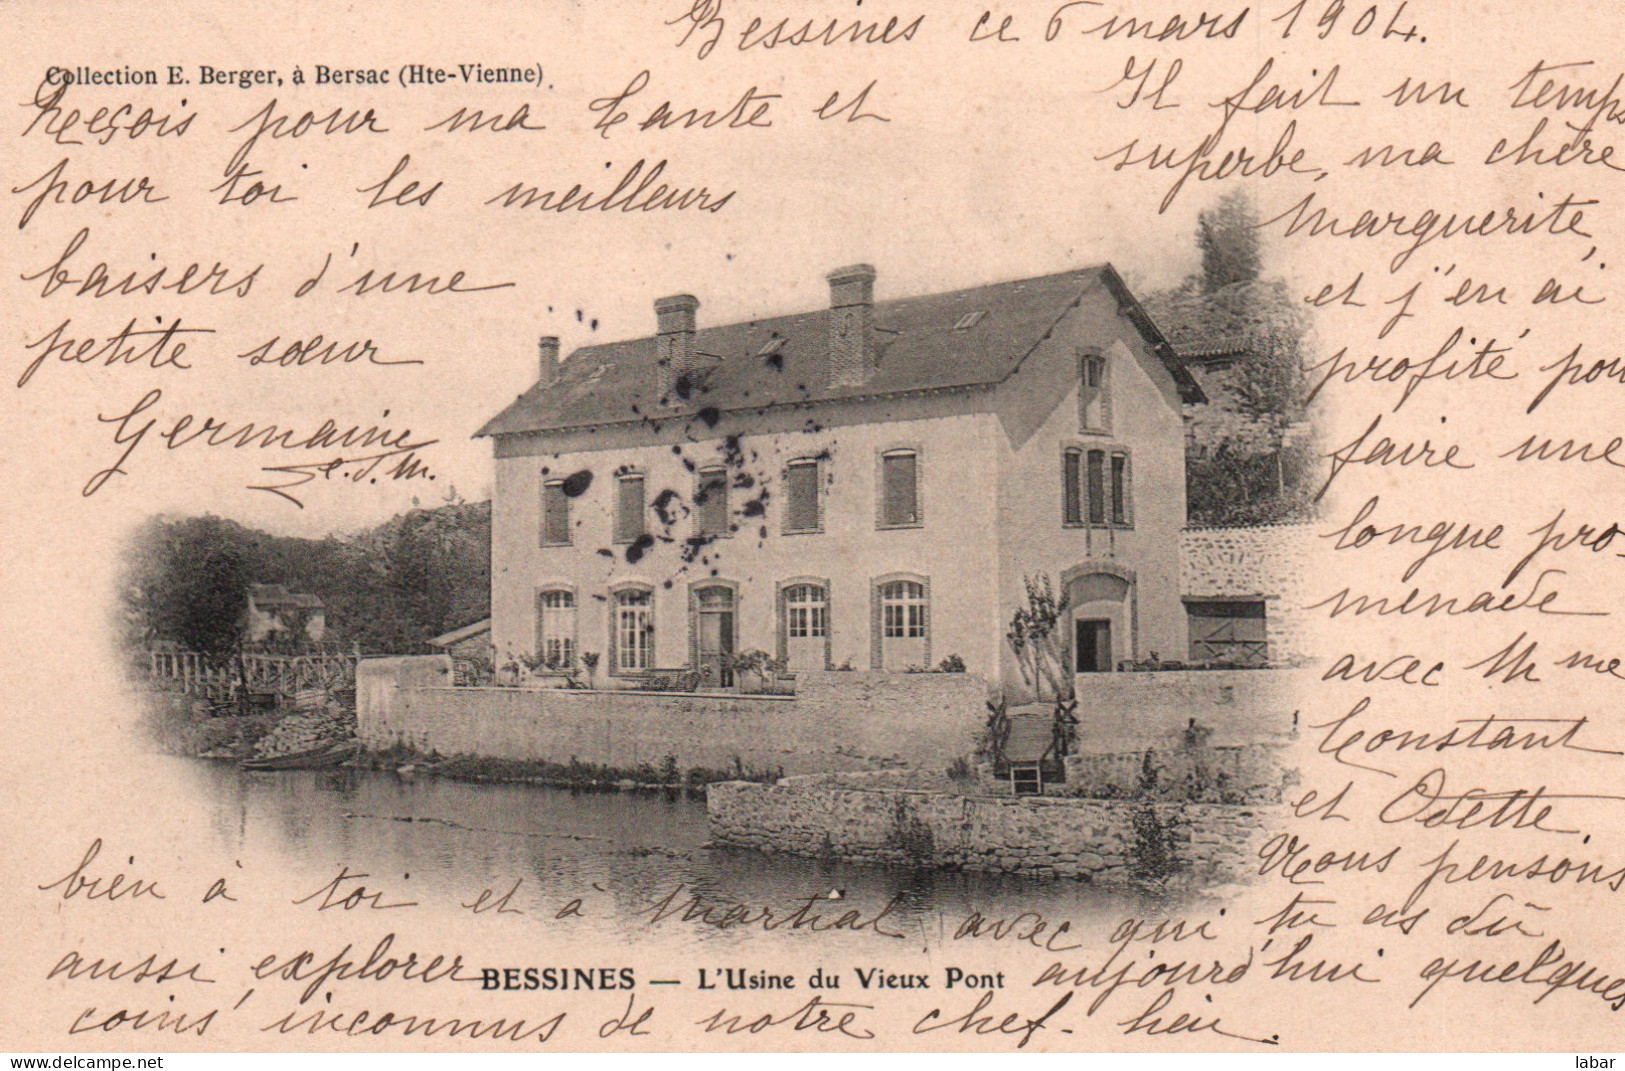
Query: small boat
<point x="314" y="759"/>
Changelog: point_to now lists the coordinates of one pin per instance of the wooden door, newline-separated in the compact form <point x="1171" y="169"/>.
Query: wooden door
<point x="1094" y="649"/>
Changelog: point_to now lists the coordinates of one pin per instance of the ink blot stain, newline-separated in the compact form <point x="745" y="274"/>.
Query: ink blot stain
<point x="639" y="548"/>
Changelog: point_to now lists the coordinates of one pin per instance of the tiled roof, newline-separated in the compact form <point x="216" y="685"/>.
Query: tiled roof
<point x="1221" y="349"/>
<point x="278" y="597"/>
<point x="457" y="635"/>
<point x="956" y="340"/>
<point x="1218" y="325"/>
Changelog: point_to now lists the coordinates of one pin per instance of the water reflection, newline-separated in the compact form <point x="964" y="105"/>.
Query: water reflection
<point x="450" y="838"/>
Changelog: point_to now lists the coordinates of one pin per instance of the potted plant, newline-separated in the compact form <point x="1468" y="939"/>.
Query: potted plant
<point x="753" y="670"/>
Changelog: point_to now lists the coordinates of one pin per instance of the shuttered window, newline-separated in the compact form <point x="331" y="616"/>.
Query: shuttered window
<point x="1122" y="493"/>
<point x="1097" y="487"/>
<point x="1072" y="487"/>
<point x="555" y="514"/>
<point x="801" y="510"/>
<point x="629" y="509"/>
<point x="900" y="502"/>
<point x="711" y="502"/>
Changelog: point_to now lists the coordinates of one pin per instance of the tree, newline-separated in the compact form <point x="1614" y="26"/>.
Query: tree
<point x="191" y="586"/>
<point x="387" y="589"/>
<point x="1035" y="636"/>
<point x="1247" y="463"/>
<point x="1227" y="235"/>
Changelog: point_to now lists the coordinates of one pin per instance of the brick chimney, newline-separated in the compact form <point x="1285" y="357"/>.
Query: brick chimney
<point x="547" y="361"/>
<point x="675" y="344"/>
<point x="851" y="325"/>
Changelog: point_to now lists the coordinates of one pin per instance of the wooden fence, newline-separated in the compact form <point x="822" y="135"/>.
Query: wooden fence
<point x="281" y="675"/>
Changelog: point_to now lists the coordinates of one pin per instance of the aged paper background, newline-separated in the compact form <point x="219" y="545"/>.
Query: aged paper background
<point x="994" y="142"/>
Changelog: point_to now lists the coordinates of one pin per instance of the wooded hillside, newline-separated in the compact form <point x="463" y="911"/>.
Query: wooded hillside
<point x="388" y="588"/>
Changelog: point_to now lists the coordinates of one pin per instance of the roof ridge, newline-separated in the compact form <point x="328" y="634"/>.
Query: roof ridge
<point x="932" y="342"/>
<point x="756" y="321"/>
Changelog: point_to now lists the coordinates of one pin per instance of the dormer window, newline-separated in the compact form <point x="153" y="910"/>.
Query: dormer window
<point x="970" y="320"/>
<point x="1094" y="393"/>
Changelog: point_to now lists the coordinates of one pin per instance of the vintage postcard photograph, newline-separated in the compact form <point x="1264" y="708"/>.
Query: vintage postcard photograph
<point x="732" y="526"/>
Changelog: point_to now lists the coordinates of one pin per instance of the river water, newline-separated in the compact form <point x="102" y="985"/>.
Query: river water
<point x="618" y="853"/>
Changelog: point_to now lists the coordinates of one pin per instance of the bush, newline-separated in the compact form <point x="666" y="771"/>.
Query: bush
<point x="1151" y="856"/>
<point x="908" y="835"/>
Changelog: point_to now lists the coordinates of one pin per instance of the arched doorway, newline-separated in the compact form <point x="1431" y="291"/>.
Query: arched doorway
<point x="1102" y="631"/>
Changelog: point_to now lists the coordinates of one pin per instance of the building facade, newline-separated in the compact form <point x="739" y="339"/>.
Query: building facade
<point x="863" y="486"/>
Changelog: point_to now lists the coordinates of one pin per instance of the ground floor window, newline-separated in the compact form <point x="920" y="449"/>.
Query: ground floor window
<point x="902" y="603"/>
<point x="632" y="634"/>
<point x="902" y="625"/>
<point x="556" y="628"/>
<point x="805" y="626"/>
<point x="805" y="607"/>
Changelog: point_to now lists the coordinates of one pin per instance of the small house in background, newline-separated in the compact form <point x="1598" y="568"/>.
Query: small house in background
<point x="472" y="655"/>
<point x="1222" y="419"/>
<point x="277" y="615"/>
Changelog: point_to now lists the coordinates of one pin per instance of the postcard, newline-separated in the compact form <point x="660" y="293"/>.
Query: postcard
<point x="740" y="525"/>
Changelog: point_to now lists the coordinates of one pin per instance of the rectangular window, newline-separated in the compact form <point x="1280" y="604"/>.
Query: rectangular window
<point x="1097" y="487"/>
<point x="903" y="610"/>
<point x="555" y="515"/>
<point x="1072" y="487"/>
<point x="711" y="503"/>
<point x="801" y="513"/>
<point x="807" y="622"/>
<point x="1120" y="490"/>
<point x="806" y="612"/>
<point x="900" y="503"/>
<point x="1093" y="369"/>
<point x="629" y="509"/>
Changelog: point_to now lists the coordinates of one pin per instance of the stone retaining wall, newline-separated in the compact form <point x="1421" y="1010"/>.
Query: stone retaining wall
<point x="1120" y="712"/>
<point x="1254" y="774"/>
<point x="1268" y="562"/>
<point x="1105" y="841"/>
<point x="836" y="721"/>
